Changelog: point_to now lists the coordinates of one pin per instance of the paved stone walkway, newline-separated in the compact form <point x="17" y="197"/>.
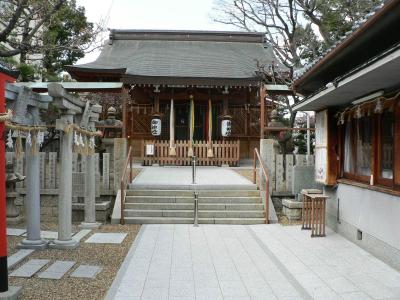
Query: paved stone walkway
<point x="181" y="177"/>
<point x="249" y="262"/>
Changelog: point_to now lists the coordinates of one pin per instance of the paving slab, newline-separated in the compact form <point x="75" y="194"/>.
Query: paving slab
<point x="30" y="268"/>
<point x="81" y="234"/>
<point x="106" y="238"/>
<point x="15" y="231"/>
<point x="18" y="257"/>
<point x="85" y="271"/>
<point x="249" y="262"/>
<point x="57" y="270"/>
<point x="181" y="177"/>
<point x="48" y="235"/>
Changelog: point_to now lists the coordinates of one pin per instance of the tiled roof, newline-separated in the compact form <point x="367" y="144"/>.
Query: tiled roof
<point x="187" y="54"/>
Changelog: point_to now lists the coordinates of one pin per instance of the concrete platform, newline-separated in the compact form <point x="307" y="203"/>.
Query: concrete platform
<point x="180" y="178"/>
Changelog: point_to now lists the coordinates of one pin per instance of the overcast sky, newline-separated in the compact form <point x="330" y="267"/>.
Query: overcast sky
<point x="152" y="14"/>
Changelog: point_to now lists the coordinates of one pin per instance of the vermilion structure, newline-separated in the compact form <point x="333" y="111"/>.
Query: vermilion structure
<point x="5" y="76"/>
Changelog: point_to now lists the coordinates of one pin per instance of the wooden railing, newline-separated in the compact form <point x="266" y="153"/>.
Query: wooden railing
<point x="264" y="171"/>
<point x="225" y="153"/>
<point x="124" y="183"/>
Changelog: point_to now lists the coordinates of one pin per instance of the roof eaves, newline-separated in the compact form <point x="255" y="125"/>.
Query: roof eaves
<point x="351" y="72"/>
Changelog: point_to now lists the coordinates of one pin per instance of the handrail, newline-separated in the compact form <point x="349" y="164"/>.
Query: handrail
<point x="264" y="170"/>
<point x="128" y="162"/>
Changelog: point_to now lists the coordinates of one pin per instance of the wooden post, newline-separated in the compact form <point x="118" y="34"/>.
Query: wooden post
<point x="225" y="104"/>
<point x="156" y="100"/>
<point x="262" y="110"/>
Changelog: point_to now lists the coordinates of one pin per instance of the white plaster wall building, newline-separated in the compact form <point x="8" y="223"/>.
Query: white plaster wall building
<point x="354" y="89"/>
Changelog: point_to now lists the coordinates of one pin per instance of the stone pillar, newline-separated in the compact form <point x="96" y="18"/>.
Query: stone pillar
<point x="90" y="191"/>
<point x="32" y="200"/>
<point x="120" y="154"/>
<point x="268" y="150"/>
<point x="64" y="240"/>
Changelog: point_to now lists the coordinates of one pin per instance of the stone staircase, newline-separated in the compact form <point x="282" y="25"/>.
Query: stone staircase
<point x="175" y="206"/>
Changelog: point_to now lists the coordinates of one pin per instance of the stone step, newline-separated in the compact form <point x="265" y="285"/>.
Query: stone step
<point x="189" y="193"/>
<point x="190" y="213"/>
<point x="166" y="220"/>
<point x="172" y="199"/>
<point x="190" y="206"/>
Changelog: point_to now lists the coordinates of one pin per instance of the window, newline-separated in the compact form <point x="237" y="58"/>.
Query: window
<point x="368" y="145"/>
<point x="348" y="165"/>
<point x="386" y="145"/>
<point x="364" y="146"/>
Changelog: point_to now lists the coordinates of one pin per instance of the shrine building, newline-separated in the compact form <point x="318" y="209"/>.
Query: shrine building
<point x="190" y="92"/>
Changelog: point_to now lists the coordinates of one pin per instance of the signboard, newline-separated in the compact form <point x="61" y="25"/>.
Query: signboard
<point x="321" y="146"/>
<point x="149" y="149"/>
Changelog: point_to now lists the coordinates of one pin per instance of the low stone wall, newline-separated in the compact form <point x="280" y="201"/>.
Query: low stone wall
<point x="49" y="208"/>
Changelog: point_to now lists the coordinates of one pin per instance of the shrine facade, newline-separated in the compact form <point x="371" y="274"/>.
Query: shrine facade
<point x="186" y="92"/>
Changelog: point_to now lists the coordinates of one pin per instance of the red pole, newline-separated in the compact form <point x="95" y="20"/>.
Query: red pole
<point x="3" y="217"/>
<point x="3" y="220"/>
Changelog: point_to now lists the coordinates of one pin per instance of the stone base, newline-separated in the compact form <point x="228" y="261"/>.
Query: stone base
<point x="292" y="209"/>
<point x="85" y="225"/>
<point x="13" y="293"/>
<point x="64" y="245"/>
<point x="14" y="220"/>
<point x="33" y="244"/>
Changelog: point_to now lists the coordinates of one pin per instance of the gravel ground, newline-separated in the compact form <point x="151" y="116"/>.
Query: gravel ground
<point x="108" y="256"/>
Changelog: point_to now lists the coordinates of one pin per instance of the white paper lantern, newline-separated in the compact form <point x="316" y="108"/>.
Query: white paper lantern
<point x="226" y="128"/>
<point x="156" y="127"/>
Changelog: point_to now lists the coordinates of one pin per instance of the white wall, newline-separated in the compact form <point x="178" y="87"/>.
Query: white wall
<point x="375" y="213"/>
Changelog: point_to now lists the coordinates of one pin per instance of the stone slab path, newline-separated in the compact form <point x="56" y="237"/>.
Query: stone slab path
<point x="249" y="262"/>
<point x="57" y="270"/>
<point x="106" y="238"/>
<point x="30" y="268"/>
<point x="15" y="231"/>
<point x="85" y="271"/>
<point x="18" y="256"/>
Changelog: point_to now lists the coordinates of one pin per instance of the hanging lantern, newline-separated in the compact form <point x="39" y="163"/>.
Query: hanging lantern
<point x="226" y="127"/>
<point x="155" y="126"/>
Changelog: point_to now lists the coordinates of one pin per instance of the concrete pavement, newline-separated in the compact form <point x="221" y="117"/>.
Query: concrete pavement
<point x="249" y="262"/>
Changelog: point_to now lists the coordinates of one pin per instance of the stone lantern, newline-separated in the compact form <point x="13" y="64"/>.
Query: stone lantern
<point x="13" y="216"/>
<point x="278" y="135"/>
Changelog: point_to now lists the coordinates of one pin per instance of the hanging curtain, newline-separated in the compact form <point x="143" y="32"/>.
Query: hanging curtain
<point x="209" y="144"/>
<point x="191" y="124"/>
<point x="172" y="148"/>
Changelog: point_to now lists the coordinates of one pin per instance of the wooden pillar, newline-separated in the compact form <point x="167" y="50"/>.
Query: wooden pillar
<point x="262" y="110"/>
<point x="225" y="105"/>
<point x="157" y="100"/>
